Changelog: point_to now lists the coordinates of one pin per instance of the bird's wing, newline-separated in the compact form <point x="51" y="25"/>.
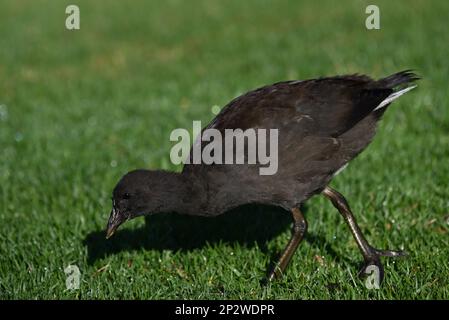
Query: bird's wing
<point x="316" y="110"/>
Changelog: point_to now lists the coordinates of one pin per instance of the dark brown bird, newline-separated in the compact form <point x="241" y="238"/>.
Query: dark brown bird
<point x="322" y="125"/>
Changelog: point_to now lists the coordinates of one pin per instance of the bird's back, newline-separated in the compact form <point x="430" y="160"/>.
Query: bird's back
<point x="322" y="124"/>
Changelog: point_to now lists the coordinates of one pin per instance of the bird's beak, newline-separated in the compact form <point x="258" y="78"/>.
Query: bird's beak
<point x="114" y="222"/>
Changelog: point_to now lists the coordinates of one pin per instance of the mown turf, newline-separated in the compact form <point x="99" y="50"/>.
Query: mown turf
<point x="80" y="108"/>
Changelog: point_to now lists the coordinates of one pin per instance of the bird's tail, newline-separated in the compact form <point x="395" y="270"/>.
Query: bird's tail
<point x="400" y="83"/>
<point x="398" y="80"/>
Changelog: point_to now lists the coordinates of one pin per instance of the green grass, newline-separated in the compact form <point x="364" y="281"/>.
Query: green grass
<point x="80" y="108"/>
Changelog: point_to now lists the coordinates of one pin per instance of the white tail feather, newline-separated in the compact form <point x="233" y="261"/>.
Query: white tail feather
<point x="394" y="96"/>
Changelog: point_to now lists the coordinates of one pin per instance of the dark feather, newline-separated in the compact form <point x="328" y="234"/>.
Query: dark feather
<point x="323" y="124"/>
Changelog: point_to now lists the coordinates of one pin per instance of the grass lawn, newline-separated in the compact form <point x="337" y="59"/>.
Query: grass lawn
<point x="80" y="108"/>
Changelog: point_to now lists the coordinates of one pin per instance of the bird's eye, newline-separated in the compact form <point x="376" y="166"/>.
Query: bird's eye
<point x="126" y="196"/>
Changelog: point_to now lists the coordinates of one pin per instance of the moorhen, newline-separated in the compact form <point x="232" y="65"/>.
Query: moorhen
<point x="322" y="125"/>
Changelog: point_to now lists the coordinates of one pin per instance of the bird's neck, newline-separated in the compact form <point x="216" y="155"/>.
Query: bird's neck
<point x="183" y="194"/>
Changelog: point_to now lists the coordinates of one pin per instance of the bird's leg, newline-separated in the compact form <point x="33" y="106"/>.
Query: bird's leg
<point x="371" y="255"/>
<point x="298" y="232"/>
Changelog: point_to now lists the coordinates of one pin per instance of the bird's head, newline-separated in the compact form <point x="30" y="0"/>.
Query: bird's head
<point x="138" y="192"/>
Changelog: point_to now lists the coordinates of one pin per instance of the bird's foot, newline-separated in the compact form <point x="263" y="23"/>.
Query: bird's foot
<point x="373" y="270"/>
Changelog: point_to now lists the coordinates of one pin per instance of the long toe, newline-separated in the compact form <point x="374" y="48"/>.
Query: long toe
<point x="391" y="253"/>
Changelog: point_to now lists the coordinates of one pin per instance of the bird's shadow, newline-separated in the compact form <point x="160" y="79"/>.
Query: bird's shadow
<point x="248" y="226"/>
